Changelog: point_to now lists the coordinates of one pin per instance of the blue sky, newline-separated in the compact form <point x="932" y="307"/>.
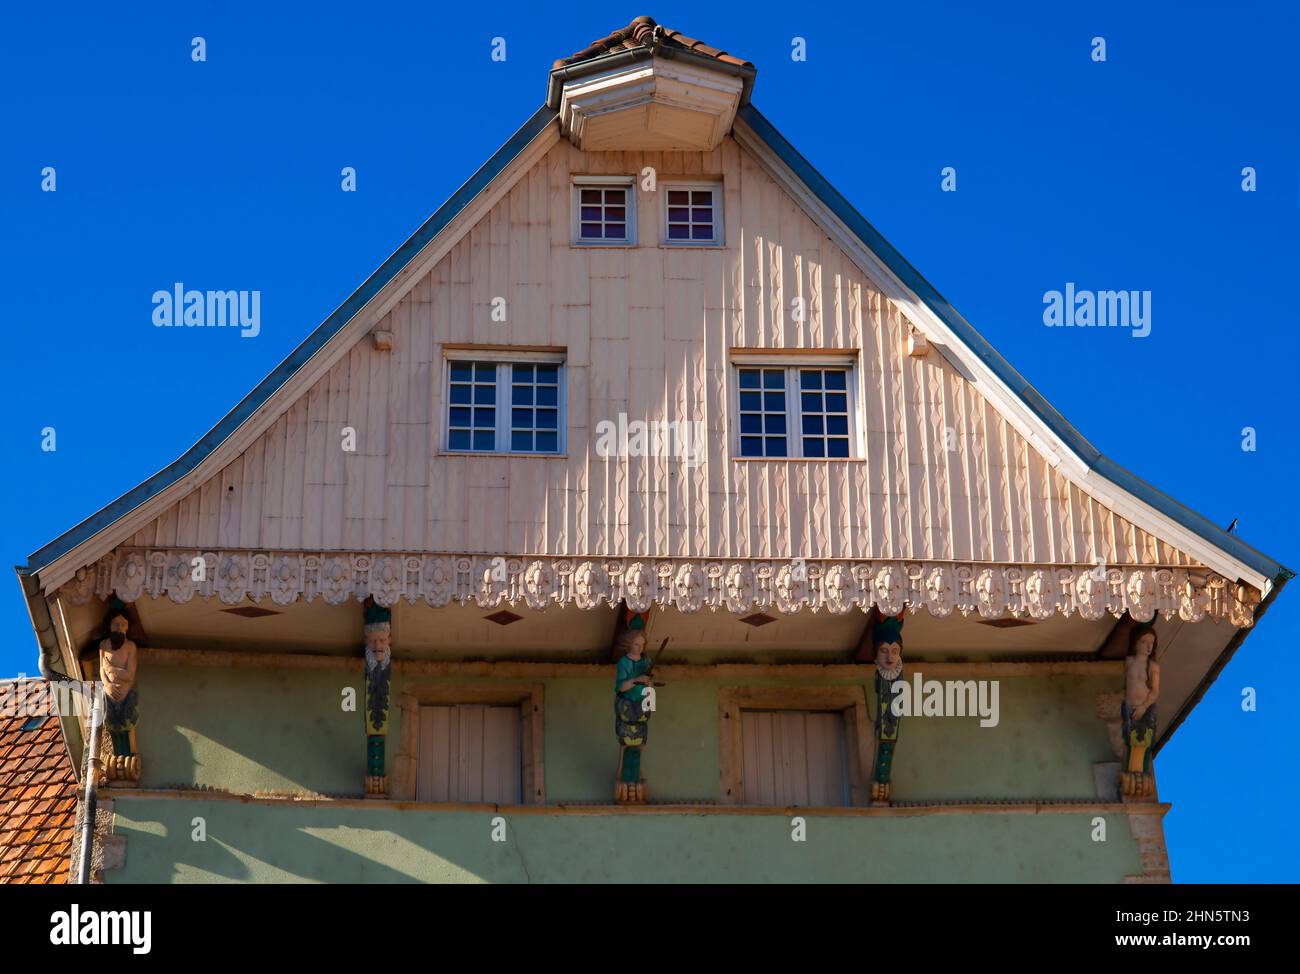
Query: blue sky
<point x="1122" y="174"/>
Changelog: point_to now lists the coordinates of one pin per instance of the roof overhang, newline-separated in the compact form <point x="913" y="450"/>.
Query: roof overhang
<point x="643" y="100"/>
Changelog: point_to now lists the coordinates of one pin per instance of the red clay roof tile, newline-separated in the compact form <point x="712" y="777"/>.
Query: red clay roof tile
<point x="38" y="799"/>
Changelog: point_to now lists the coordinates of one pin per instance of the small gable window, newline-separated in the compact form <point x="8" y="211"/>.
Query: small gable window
<point x="604" y="210"/>
<point x="498" y="403"/>
<point x="692" y="213"/>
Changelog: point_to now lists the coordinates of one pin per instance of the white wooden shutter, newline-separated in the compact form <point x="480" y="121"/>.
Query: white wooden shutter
<point x="793" y="757"/>
<point x="469" y="753"/>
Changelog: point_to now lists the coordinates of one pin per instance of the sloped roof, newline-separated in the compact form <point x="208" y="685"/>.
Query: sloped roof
<point x="38" y="796"/>
<point x="641" y="33"/>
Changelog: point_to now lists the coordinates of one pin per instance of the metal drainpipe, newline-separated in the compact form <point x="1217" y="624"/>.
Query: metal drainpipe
<point x="91" y="801"/>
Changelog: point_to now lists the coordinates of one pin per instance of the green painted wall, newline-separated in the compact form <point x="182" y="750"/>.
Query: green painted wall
<point x="265" y="842"/>
<point x="259" y="730"/>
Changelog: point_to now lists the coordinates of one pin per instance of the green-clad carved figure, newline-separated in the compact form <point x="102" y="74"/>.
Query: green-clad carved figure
<point x="633" y="696"/>
<point x="887" y="638"/>
<point x="379" y="664"/>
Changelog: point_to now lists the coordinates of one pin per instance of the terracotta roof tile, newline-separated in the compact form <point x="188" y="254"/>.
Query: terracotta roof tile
<point x="38" y="798"/>
<point x="641" y="33"/>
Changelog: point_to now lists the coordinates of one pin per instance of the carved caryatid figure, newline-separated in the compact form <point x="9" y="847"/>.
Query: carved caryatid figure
<point x="118" y="657"/>
<point x="632" y="708"/>
<point x="379" y="665"/>
<point x="1138" y="712"/>
<point x="887" y="638"/>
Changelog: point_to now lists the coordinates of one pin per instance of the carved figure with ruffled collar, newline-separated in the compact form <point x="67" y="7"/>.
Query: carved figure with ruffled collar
<point x="887" y="638"/>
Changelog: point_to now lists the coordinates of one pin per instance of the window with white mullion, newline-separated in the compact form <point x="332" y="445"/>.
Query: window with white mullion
<point x="795" y="411"/>
<point x="505" y="407"/>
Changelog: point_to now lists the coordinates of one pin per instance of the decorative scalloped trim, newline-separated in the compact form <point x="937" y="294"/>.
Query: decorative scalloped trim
<point x="739" y="586"/>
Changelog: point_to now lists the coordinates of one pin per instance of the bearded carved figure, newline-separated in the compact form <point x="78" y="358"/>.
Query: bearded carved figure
<point x="118" y="658"/>
<point x="379" y="666"/>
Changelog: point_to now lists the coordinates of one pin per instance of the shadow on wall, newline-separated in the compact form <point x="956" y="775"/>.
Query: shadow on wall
<point x="282" y="842"/>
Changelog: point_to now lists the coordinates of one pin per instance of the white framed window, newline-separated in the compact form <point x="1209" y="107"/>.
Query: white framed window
<point x="795" y="410"/>
<point x="692" y="213"/>
<point x="604" y="210"/>
<point x="499" y="401"/>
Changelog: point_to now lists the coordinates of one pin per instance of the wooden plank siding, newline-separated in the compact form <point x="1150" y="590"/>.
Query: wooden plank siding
<point x="648" y="332"/>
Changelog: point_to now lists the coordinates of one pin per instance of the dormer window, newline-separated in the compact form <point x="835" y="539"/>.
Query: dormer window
<point x="692" y="213"/>
<point x="604" y="210"/>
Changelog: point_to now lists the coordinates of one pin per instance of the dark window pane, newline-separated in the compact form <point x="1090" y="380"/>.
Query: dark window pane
<point x="751" y="401"/>
<point x="615" y="196"/>
<point x="461" y="371"/>
<point x="676" y="215"/>
<point x="811" y="402"/>
<point x="460" y="393"/>
<point x="702" y="197"/>
<point x="749" y="378"/>
<point x="547" y="395"/>
<point x="591" y="196"/>
<point x="702" y="214"/>
<point x="459" y="440"/>
<point x="547" y="373"/>
<point x="812" y="446"/>
<point x="751" y="446"/>
<point x="751" y="423"/>
<point x="522" y="396"/>
<point x="678" y="197"/>
<point x="484" y="440"/>
<point x="773" y="379"/>
<point x="548" y="442"/>
<point x="835" y="380"/>
<point x="810" y="379"/>
<point x="615" y="231"/>
<point x="812" y="425"/>
<point x="838" y="447"/>
<point x="589" y="213"/>
<point x="774" y="423"/>
<point x="702" y="233"/>
<point x="776" y="446"/>
<point x="837" y="425"/>
<point x="485" y="372"/>
<point x="591" y="231"/>
<point x="547" y="419"/>
<point x="679" y="233"/>
<point x="616" y="213"/>
<point x="460" y="416"/>
<point x="523" y="373"/>
<point x="774" y="401"/>
<point x="521" y="418"/>
<point x="485" y="394"/>
<point x="485" y="418"/>
<point x="521" y="441"/>
<point x="837" y="402"/>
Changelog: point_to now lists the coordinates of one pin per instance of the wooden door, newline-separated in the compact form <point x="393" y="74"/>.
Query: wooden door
<point x="793" y="757"/>
<point x="469" y="753"/>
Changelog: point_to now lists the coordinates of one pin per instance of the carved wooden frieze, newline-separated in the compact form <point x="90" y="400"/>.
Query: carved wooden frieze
<point x="737" y="586"/>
